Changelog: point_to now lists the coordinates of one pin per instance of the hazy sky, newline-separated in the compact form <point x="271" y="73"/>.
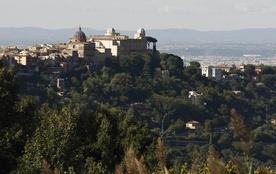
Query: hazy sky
<point x="201" y="15"/>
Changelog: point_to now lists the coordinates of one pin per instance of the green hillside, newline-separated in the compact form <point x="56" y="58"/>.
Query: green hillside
<point x="130" y="116"/>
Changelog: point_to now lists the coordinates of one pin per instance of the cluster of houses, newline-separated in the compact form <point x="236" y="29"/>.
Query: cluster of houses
<point x="50" y="60"/>
<point x="216" y="72"/>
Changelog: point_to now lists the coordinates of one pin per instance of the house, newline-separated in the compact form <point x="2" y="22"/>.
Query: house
<point x="194" y="125"/>
<point x="24" y="58"/>
<point x="258" y="70"/>
<point x="210" y="71"/>
<point x="225" y="68"/>
<point x="260" y="84"/>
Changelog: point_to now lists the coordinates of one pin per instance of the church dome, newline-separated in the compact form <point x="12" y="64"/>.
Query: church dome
<point x="80" y="36"/>
<point x="110" y="32"/>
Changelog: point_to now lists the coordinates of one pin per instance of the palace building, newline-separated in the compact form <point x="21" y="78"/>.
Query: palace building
<point x="94" y="49"/>
<point x="120" y="44"/>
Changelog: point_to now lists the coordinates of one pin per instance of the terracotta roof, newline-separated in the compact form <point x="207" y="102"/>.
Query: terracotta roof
<point x="193" y="122"/>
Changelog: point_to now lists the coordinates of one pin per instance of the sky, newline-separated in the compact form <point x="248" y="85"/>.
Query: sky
<point x="202" y="15"/>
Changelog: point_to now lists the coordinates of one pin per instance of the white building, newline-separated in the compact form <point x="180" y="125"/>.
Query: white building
<point x="206" y="71"/>
<point x="210" y="71"/>
<point x="120" y="44"/>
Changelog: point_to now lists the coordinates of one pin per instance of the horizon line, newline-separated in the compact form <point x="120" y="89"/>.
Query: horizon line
<point x="172" y="28"/>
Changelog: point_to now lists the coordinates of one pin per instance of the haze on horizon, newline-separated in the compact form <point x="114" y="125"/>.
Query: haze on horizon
<point x="202" y="15"/>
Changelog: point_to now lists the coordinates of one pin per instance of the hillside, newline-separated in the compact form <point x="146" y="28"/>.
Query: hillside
<point x="100" y="119"/>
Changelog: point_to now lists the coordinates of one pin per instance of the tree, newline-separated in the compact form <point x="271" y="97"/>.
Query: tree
<point x="161" y="154"/>
<point x="121" y="83"/>
<point x="195" y="64"/>
<point x="149" y="65"/>
<point x="132" y="64"/>
<point x="54" y="141"/>
<point x="120" y="88"/>
<point x="151" y="39"/>
<point x="267" y="70"/>
<point x="243" y="132"/>
<point x="17" y="121"/>
<point x="105" y="141"/>
<point x="214" y="163"/>
<point x="131" y="163"/>
<point x="93" y="85"/>
<point x="172" y="63"/>
<point x="268" y="79"/>
<point x="9" y="96"/>
<point x="249" y="70"/>
<point x="190" y="70"/>
<point x="107" y="73"/>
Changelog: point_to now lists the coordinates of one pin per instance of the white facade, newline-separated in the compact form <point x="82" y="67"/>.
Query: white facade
<point x="22" y="60"/>
<point x="210" y="71"/>
<point x="120" y="44"/>
<point x="206" y="71"/>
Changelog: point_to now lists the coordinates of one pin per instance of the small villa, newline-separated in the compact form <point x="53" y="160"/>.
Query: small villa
<point x="193" y="125"/>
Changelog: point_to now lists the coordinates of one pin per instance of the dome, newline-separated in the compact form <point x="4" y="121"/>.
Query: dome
<point x="110" y="31"/>
<point x="141" y="31"/>
<point x="80" y="36"/>
<point x="140" y="34"/>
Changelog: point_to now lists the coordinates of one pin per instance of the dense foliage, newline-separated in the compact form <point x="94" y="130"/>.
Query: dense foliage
<point x="111" y="118"/>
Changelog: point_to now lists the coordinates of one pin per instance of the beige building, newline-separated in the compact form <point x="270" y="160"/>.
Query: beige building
<point x="225" y="68"/>
<point x="78" y="44"/>
<point x="24" y="58"/>
<point x="88" y="52"/>
<point x="120" y="44"/>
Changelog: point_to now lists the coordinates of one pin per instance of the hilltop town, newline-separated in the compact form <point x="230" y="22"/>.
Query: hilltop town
<point x="51" y="60"/>
<point x="80" y="50"/>
<point x="99" y="102"/>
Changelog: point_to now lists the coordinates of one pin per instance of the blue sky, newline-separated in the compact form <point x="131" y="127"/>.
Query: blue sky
<point x="203" y="15"/>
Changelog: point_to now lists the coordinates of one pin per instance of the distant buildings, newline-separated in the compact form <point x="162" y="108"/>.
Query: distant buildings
<point x="79" y="50"/>
<point x="210" y="71"/>
<point x="95" y="48"/>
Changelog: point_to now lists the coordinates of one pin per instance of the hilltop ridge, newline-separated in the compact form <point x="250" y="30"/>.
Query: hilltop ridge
<point x="32" y="35"/>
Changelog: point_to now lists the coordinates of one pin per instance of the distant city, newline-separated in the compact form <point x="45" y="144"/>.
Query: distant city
<point x="224" y="53"/>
